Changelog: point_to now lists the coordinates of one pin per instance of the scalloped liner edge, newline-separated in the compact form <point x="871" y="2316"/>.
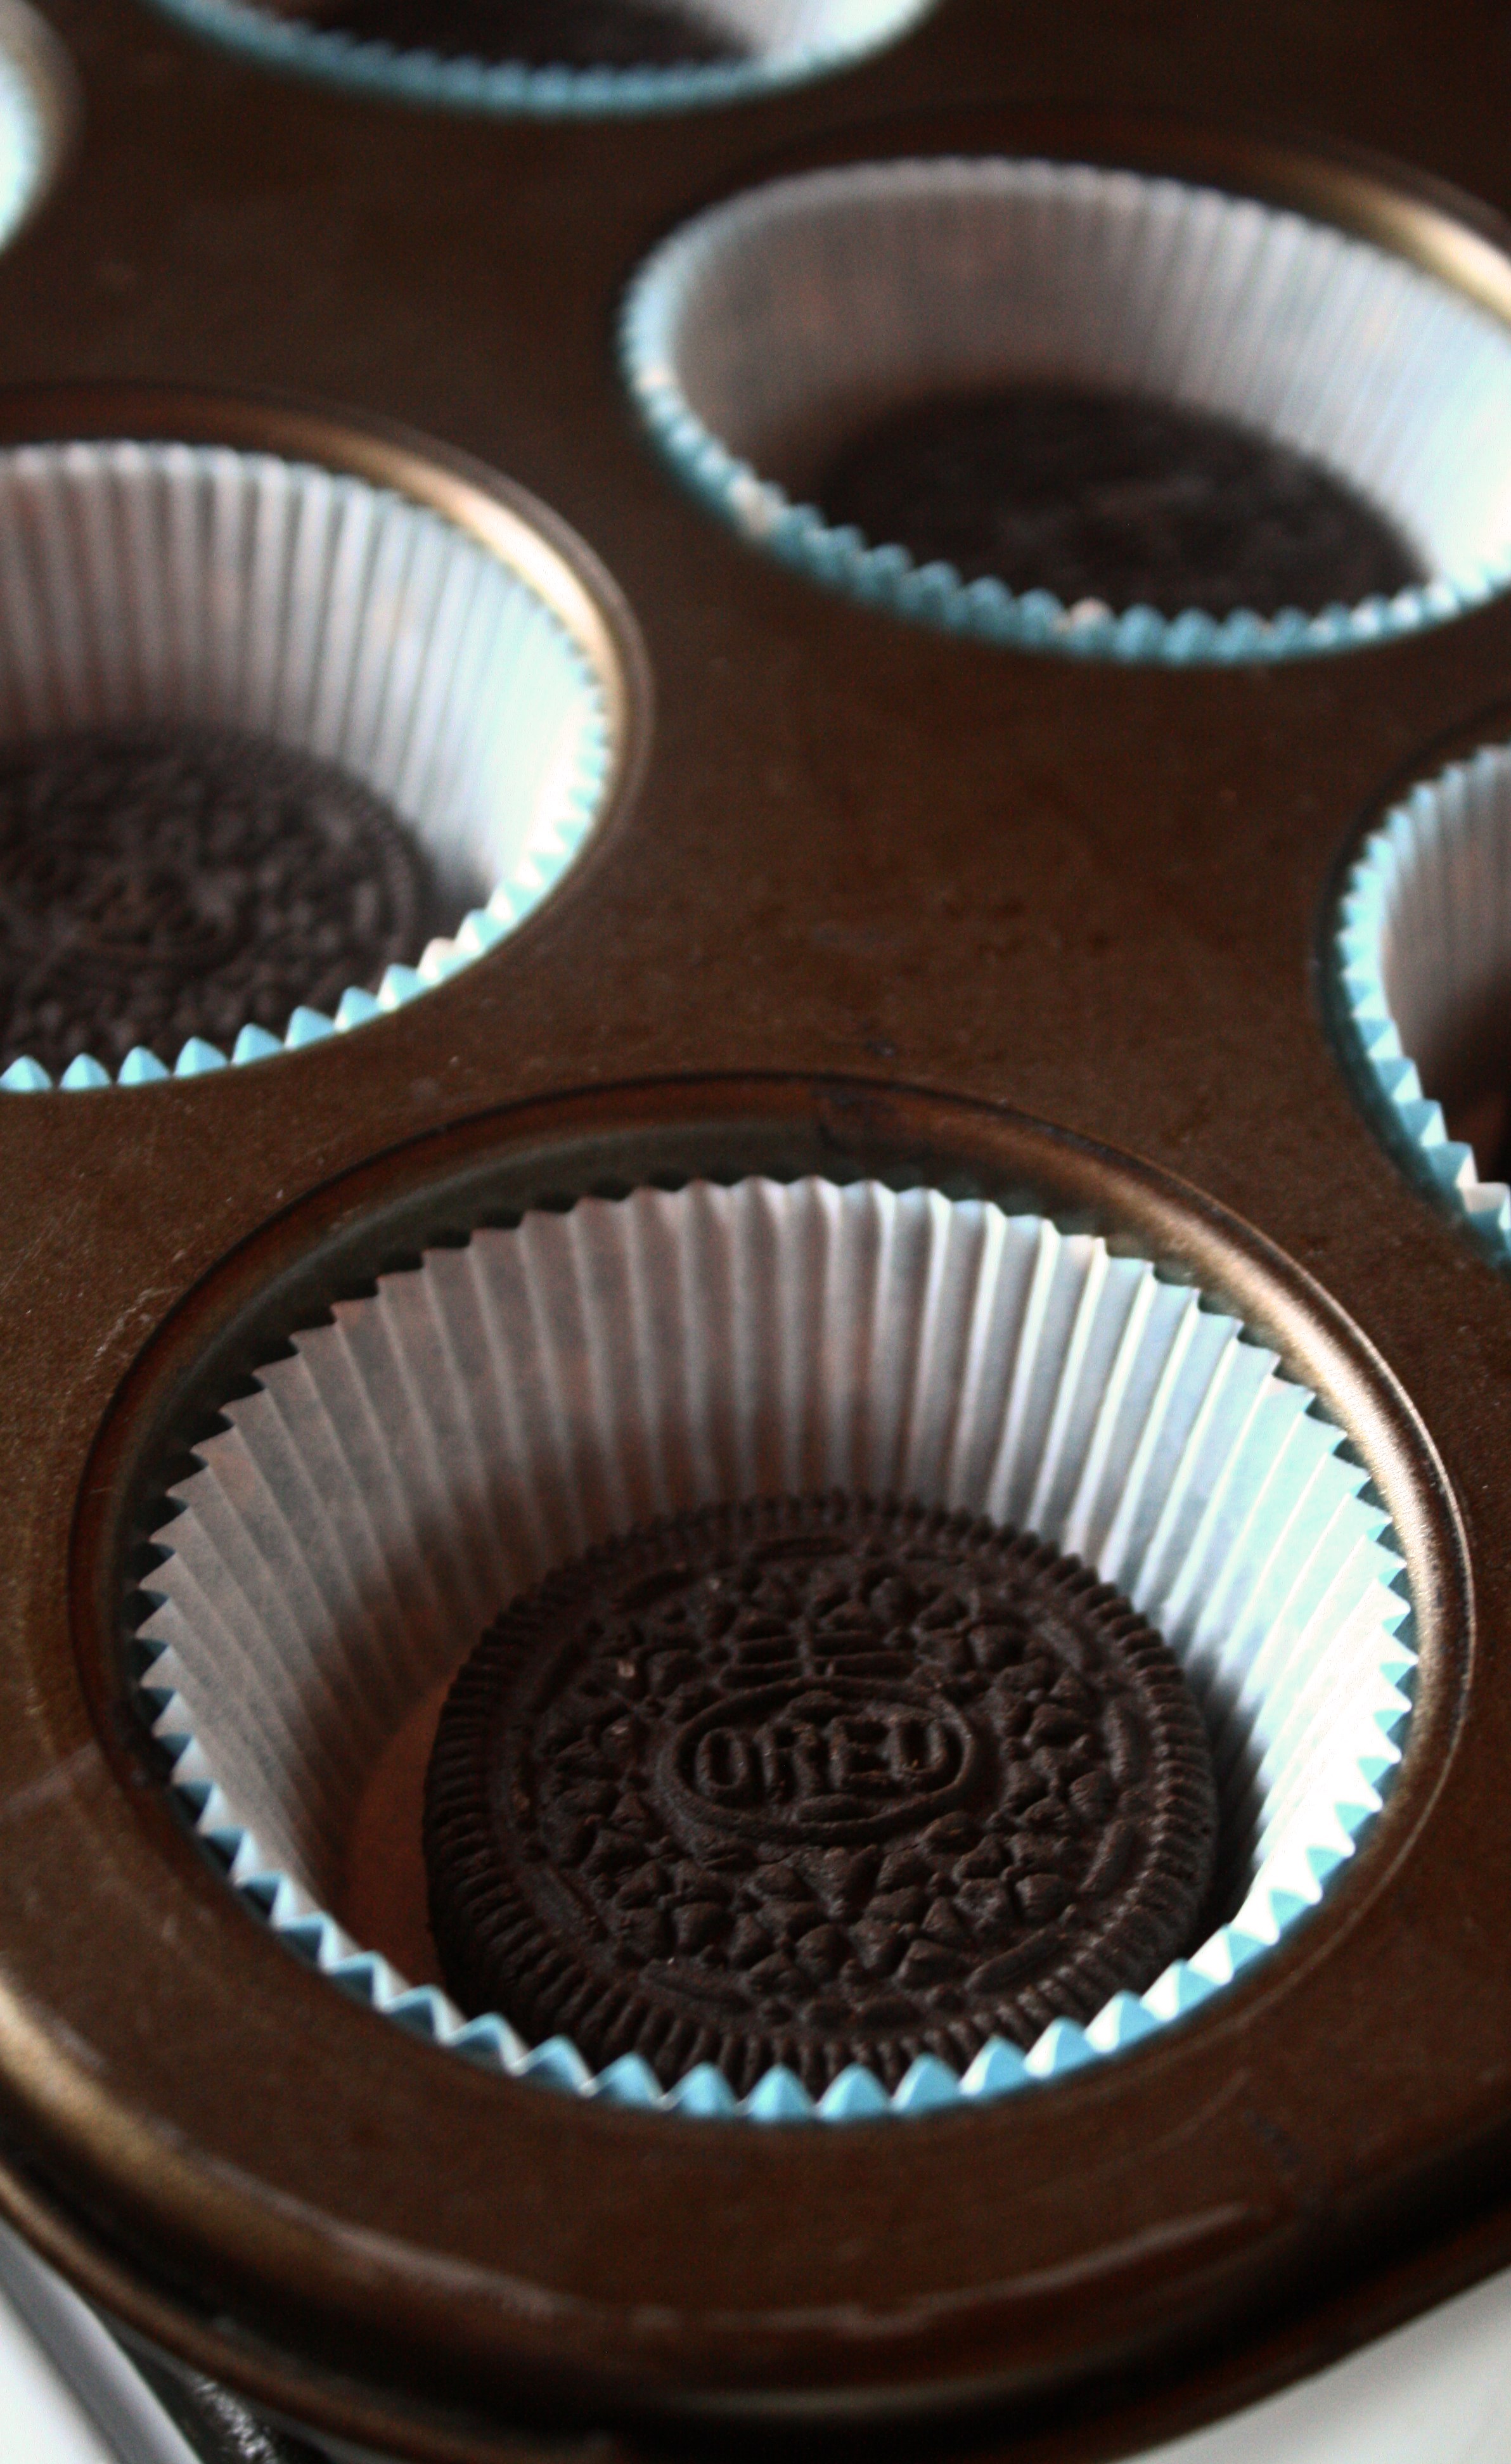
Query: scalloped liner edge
<point x="1443" y="1167"/>
<point x="841" y="559"/>
<point x="1287" y="1889"/>
<point x="547" y="858"/>
<point x="504" y="87"/>
<point x="1289" y="1886"/>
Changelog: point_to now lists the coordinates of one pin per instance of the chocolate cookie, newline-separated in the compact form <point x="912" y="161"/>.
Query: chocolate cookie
<point x="159" y="882"/>
<point x="1112" y="497"/>
<point x="535" y="34"/>
<point x="815" y="1781"/>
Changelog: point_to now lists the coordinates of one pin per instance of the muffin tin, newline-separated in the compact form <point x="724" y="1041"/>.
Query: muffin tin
<point x="864" y="903"/>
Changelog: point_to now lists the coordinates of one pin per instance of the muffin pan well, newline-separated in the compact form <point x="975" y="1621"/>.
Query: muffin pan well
<point x="774" y="332"/>
<point x="382" y="1492"/>
<point x="1419" y="956"/>
<point x="548" y="58"/>
<point x="877" y="917"/>
<point x="182" y="612"/>
<point x="756" y="1137"/>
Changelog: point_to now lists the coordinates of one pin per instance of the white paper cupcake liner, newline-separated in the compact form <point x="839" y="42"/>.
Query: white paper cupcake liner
<point x="37" y="109"/>
<point x="440" y="1445"/>
<point x="204" y="584"/>
<point x="764" y="331"/>
<point x="1423" y="953"/>
<point x="789" y="41"/>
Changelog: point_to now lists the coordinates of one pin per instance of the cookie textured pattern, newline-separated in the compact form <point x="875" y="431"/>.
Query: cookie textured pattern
<point x="1108" y="497"/>
<point x="814" y="1782"/>
<point x="159" y="882"/>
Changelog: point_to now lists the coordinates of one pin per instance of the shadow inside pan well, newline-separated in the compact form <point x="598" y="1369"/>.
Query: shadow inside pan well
<point x="557" y="58"/>
<point x="539" y="33"/>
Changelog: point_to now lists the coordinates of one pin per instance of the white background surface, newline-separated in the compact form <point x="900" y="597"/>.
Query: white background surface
<point x="37" y="2415"/>
<point x="1437" y="2392"/>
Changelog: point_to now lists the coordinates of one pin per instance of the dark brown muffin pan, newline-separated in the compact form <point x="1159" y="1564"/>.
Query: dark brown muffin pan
<point x="866" y="901"/>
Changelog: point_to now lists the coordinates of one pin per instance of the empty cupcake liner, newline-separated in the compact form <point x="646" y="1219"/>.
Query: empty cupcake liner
<point x="204" y="584"/>
<point x="788" y="41"/>
<point x="1422" y="949"/>
<point x="761" y="334"/>
<point x="37" y="106"/>
<point x="440" y="1444"/>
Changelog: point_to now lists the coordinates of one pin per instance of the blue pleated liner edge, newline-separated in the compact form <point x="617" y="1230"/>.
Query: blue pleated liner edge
<point x="1269" y="1912"/>
<point x="509" y="87"/>
<point x="1443" y="1166"/>
<point x="841" y="558"/>
<point x="547" y="858"/>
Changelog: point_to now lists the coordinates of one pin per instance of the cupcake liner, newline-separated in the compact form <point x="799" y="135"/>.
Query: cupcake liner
<point x="790" y="41"/>
<point x="439" y="1445"/>
<point x="759" y="333"/>
<point x="202" y="584"/>
<point x="1422" y="953"/>
<point x="37" y="109"/>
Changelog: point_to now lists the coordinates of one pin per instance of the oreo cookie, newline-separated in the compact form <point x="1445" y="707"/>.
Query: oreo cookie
<point x="1117" y="498"/>
<point x="159" y="882"/>
<point x="534" y="34"/>
<point x="815" y="1781"/>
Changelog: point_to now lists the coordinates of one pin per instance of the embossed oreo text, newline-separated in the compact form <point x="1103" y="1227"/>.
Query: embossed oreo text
<point x="821" y="1762"/>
